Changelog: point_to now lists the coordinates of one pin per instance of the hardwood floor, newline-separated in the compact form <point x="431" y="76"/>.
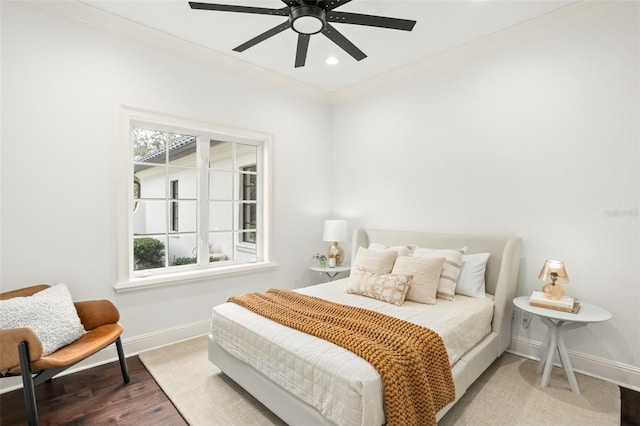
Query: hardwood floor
<point x="630" y="402"/>
<point x="98" y="396"/>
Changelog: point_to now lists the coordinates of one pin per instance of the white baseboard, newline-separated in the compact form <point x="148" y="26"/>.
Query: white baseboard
<point x="131" y="345"/>
<point x="621" y="374"/>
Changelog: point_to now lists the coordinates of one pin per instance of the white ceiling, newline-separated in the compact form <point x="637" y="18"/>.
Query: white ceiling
<point x="441" y="25"/>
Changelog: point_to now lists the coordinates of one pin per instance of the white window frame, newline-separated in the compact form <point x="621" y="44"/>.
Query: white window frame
<point x="129" y="117"/>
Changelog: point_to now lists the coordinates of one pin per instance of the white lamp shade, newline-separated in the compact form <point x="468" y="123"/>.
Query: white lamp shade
<point x="335" y="230"/>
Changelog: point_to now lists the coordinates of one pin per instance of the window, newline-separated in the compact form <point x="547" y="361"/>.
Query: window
<point x="199" y="202"/>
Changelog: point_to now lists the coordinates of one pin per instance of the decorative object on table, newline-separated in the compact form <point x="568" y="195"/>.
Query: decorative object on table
<point x="307" y="18"/>
<point x="335" y="231"/>
<point x="321" y="258"/>
<point x="565" y="304"/>
<point x="555" y="271"/>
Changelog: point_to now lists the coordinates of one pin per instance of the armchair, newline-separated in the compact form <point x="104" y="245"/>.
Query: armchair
<point x="21" y="352"/>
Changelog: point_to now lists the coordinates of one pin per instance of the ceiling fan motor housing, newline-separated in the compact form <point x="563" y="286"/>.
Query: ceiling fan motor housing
<point x="307" y="19"/>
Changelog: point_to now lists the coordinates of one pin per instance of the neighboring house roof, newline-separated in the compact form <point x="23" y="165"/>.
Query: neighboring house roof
<point x="181" y="147"/>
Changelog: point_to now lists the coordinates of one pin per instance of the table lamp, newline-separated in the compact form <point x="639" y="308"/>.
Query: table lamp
<point x="553" y="270"/>
<point x="334" y="232"/>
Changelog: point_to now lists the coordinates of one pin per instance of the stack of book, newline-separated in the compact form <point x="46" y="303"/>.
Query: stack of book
<point x="566" y="304"/>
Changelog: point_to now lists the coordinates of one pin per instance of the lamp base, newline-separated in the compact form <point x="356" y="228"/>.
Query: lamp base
<point x="553" y="291"/>
<point x="335" y="251"/>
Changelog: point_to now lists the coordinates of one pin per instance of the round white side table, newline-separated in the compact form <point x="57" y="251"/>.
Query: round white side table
<point x="559" y="323"/>
<point x="330" y="272"/>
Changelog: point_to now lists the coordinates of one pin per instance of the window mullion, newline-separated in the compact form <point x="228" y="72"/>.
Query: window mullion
<point x="203" y="200"/>
<point x="167" y="203"/>
<point x="259" y="204"/>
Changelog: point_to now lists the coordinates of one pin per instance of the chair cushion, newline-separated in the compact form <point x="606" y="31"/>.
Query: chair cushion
<point x="49" y="313"/>
<point x="88" y="344"/>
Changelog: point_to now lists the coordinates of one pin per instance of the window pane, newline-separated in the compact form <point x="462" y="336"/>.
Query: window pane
<point x="150" y="217"/>
<point x="248" y="237"/>
<point x="220" y="246"/>
<point x="187" y="215"/>
<point x="220" y="216"/>
<point x="187" y="182"/>
<point x="247" y="155"/>
<point x="148" y="253"/>
<point x="182" y="150"/>
<point x="149" y="146"/>
<point x="221" y="185"/>
<point x="221" y="155"/>
<point x="182" y="249"/>
<point x="152" y="181"/>
<point x="246" y="252"/>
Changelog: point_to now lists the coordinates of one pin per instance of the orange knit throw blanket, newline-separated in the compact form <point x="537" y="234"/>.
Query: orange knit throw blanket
<point x="411" y="359"/>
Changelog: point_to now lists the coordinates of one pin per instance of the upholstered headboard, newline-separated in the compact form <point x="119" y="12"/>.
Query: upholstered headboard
<point x="502" y="267"/>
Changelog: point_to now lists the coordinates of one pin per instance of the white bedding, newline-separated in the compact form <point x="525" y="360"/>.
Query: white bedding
<point x="345" y="388"/>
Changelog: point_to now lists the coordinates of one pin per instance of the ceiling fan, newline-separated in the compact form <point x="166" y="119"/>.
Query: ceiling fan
<point x="308" y="17"/>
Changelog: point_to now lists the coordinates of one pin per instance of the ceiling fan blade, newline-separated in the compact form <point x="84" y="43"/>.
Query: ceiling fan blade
<point x="328" y="5"/>
<point x="342" y="42"/>
<point x="262" y="37"/>
<point x="371" y="20"/>
<point x="301" y="51"/>
<point x="291" y="3"/>
<point x="242" y="9"/>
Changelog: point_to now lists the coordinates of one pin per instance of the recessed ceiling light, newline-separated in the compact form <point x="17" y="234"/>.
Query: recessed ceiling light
<point x="332" y="60"/>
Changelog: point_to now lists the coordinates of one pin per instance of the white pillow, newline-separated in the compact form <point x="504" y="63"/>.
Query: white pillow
<point x="401" y="250"/>
<point x="471" y="279"/>
<point x="426" y="276"/>
<point x="376" y="261"/>
<point x="450" y="270"/>
<point x="49" y="313"/>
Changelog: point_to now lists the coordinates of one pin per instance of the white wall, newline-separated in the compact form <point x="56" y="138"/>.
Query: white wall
<point x="539" y="140"/>
<point x="61" y="87"/>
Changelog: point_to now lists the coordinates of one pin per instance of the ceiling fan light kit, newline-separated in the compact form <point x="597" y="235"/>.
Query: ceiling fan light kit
<point x="308" y="17"/>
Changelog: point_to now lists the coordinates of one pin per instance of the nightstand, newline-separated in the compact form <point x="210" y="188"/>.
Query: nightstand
<point x="330" y="272"/>
<point x="559" y="323"/>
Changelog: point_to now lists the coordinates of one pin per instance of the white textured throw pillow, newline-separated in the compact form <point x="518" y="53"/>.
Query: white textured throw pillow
<point x="471" y="280"/>
<point x="376" y="261"/>
<point x="390" y="288"/>
<point x="450" y="269"/>
<point x="426" y="276"/>
<point x="401" y="250"/>
<point x="50" y="314"/>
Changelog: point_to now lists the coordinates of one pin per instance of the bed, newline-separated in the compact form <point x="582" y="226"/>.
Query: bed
<point x="305" y="380"/>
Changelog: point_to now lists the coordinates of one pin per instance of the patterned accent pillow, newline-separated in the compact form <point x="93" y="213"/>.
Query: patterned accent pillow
<point x="49" y="313"/>
<point x="450" y="269"/>
<point x="390" y="288"/>
<point x="426" y="276"/>
<point x="376" y="261"/>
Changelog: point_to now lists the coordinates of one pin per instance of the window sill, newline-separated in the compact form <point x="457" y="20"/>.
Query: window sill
<point x="142" y="283"/>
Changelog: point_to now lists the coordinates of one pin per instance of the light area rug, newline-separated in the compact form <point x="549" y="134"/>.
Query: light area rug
<point x="508" y="393"/>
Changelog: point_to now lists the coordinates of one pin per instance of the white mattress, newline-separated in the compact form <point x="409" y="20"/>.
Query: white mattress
<point x="345" y="388"/>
